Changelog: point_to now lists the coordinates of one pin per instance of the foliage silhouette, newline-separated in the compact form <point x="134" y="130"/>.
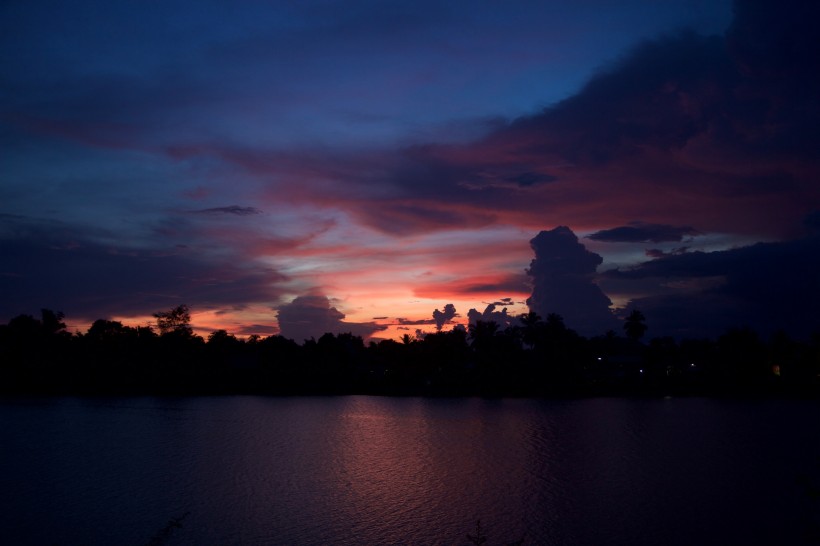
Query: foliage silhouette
<point x="174" y="321"/>
<point x="635" y="325"/>
<point x="530" y="357"/>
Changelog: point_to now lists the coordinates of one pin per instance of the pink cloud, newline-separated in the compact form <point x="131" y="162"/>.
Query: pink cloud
<point x="478" y="287"/>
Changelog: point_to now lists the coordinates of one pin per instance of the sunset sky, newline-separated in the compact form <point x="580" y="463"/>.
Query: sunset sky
<point x="355" y="165"/>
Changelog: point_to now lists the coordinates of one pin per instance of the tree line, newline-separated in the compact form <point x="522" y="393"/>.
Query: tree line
<point x="534" y="356"/>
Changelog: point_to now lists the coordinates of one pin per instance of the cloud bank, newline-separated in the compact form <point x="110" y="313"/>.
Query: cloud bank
<point x="641" y="232"/>
<point x="766" y="286"/>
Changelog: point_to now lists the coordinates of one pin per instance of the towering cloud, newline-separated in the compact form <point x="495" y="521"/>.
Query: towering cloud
<point x="562" y="276"/>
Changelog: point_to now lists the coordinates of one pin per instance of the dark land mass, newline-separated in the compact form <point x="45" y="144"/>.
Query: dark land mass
<point x="534" y="357"/>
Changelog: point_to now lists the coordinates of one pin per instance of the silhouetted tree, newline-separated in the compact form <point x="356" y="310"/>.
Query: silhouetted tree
<point x="742" y="358"/>
<point x="176" y="320"/>
<point x="52" y="322"/>
<point x="222" y="338"/>
<point x="555" y="326"/>
<point x="482" y="333"/>
<point x="635" y="325"/>
<point x="532" y="327"/>
<point x="529" y="357"/>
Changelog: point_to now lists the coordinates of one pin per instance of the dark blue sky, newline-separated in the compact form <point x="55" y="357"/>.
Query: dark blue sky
<point x="354" y="165"/>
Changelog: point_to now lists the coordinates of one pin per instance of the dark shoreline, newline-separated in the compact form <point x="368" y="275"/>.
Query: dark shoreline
<point x="532" y="358"/>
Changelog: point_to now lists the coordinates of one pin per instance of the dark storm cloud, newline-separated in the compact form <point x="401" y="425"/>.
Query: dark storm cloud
<point x="636" y="101"/>
<point x="233" y="209"/>
<point x="312" y="316"/>
<point x="775" y="39"/>
<point x="640" y="232"/>
<point x="562" y="275"/>
<point x="767" y="286"/>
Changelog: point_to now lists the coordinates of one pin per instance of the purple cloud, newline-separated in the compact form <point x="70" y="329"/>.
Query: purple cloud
<point x="233" y="209"/>
<point x="640" y="232"/>
<point x="71" y="271"/>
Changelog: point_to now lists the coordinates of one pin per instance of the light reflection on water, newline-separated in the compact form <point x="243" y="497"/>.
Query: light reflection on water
<point x="371" y="470"/>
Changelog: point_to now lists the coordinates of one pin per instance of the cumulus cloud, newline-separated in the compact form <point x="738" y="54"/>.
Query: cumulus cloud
<point x="562" y="275"/>
<point x="641" y="232"/>
<point x="443" y="317"/>
<point x="312" y="316"/>
<point x="490" y="315"/>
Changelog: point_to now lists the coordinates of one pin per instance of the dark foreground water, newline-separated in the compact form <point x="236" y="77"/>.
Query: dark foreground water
<point x="370" y="470"/>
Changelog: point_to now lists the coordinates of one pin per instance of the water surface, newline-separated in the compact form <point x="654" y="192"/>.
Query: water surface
<point x="372" y="470"/>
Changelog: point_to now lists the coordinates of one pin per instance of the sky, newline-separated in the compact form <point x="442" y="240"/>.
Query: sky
<point x="386" y="167"/>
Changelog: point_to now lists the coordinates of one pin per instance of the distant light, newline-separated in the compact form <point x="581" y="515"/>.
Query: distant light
<point x="599" y="358"/>
<point x="641" y="370"/>
<point x="692" y="364"/>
